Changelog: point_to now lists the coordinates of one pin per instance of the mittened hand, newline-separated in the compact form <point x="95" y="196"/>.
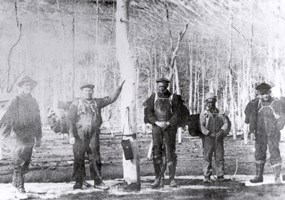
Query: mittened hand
<point x="212" y="134"/>
<point x="160" y="124"/>
<point x="166" y="124"/>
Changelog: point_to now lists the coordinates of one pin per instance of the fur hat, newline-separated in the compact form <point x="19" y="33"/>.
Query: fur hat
<point x="263" y="88"/>
<point x="210" y="95"/>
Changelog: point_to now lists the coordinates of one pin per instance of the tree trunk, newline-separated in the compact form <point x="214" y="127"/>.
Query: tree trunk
<point x="128" y="97"/>
<point x="190" y="79"/>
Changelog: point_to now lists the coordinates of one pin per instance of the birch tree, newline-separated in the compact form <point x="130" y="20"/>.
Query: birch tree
<point x="128" y="97"/>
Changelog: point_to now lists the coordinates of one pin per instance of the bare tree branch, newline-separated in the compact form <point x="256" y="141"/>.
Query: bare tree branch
<point x="174" y="53"/>
<point x="19" y="25"/>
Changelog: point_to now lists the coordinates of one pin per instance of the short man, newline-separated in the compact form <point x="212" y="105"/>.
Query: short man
<point x="162" y="111"/>
<point x="266" y="120"/>
<point x="22" y="123"/>
<point x="85" y="119"/>
<point x="214" y="127"/>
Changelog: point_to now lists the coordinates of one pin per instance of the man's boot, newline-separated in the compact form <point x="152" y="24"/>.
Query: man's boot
<point x="172" y="170"/>
<point x="158" y="178"/>
<point x="259" y="174"/>
<point x="277" y="171"/>
<point x="78" y="184"/>
<point x="21" y="192"/>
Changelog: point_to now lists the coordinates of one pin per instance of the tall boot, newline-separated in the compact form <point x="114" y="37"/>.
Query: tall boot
<point x="277" y="171"/>
<point x="172" y="170"/>
<point x="21" y="192"/>
<point x="158" y="179"/>
<point x="259" y="173"/>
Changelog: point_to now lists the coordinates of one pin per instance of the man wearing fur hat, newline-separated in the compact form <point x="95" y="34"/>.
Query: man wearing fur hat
<point x="214" y="127"/>
<point x="162" y="110"/>
<point x="85" y="119"/>
<point x="23" y="124"/>
<point x="268" y="121"/>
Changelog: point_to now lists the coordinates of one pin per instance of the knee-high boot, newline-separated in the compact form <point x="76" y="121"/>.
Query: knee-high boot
<point x="259" y="173"/>
<point x="158" y="178"/>
<point x="172" y="170"/>
<point x="21" y="192"/>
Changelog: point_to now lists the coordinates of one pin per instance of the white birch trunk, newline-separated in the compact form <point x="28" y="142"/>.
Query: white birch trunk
<point x="128" y="96"/>
<point x="191" y="80"/>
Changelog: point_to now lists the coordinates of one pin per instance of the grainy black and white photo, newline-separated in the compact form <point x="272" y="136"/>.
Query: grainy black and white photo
<point x="142" y="99"/>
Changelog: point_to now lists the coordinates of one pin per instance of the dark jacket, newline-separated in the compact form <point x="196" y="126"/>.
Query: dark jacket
<point x="23" y="118"/>
<point x="176" y="103"/>
<point x="252" y="110"/>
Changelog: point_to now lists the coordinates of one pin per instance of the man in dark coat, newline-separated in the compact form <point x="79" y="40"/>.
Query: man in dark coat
<point x="85" y="119"/>
<point x="214" y="127"/>
<point x="22" y="123"/>
<point x="162" y="110"/>
<point x="266" y="119"/>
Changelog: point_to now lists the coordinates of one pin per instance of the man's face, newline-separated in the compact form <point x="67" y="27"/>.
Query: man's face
<point x="265" y="96"/>
<point x="87" y="93"/>
<point x="162" y="86"/>
<point x="210" y="103"/>
<point x="27" y="88"/>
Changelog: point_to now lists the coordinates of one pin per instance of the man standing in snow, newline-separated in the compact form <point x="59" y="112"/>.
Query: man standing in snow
<point x="85" y="119"/>
<point x="214" y="127"/>
<point x="22" y="123"/>
<point x="267" y="119"/>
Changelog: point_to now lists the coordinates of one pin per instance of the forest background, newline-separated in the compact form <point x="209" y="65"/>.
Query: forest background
<point x="226" y="46"/>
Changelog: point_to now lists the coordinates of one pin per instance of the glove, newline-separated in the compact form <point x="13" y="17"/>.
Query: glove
<point x="72" y="140"/>
<point x="213" y="135"/>
<point x="160" y="124"/>
<point x="166" y="124"/>
<point x="220" y="134"/>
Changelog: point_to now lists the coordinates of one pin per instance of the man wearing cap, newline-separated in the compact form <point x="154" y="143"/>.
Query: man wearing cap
<point x="85" y="119"/>
<point x="268" y="121"/>
<point x="23" y="124"/>
<point x="162" y="110"/>
<point x="214" y="127"/>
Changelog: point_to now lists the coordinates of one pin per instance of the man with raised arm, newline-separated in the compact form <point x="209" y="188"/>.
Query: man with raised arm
<point x="85" y="119"/>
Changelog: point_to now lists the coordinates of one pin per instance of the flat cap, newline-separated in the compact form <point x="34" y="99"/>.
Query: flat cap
<point x="263" y="87"/>
<point x="29" y="80"/>
<point x="87" y="85"/>
<point x="210" y="95"/>
<point x="163" y="79"/>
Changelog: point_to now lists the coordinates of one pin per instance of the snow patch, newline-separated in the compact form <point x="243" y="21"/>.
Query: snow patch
<point x="56" y="190"/>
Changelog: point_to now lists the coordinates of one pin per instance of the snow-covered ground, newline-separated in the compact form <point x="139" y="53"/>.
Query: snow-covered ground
<point x="56" y="190"/>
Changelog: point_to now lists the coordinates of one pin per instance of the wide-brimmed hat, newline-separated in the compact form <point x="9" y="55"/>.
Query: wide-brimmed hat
<point x="27" y="79"/>
<point x="210" y="95"/>
<point x="87" y="85"/>
<point x="163" y="79"/>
